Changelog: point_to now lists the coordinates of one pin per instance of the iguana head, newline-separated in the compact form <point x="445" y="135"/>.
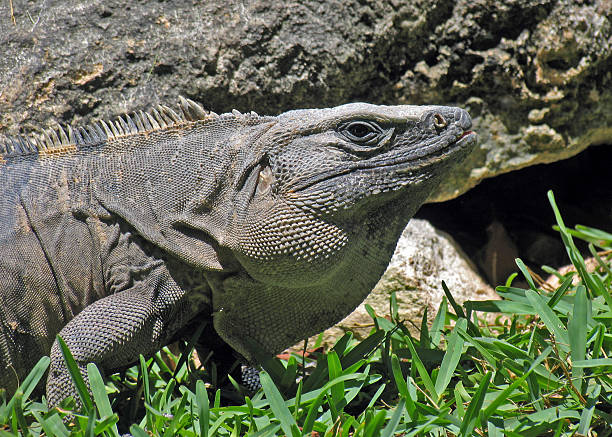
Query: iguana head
<point x="359" y="156"/>
<point x="322" y="174"/>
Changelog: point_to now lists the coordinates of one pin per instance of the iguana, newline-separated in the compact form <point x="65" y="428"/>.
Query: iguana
<point x="123" y="236"/>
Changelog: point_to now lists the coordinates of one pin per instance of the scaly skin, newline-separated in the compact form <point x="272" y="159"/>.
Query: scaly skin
<point x="123" y="236"/>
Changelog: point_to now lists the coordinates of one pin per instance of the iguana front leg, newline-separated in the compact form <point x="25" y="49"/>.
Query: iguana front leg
<point x="113" y="331"/>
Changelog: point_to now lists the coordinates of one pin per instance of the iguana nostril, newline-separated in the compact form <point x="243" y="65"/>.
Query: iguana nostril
<point x="439" y="121"/>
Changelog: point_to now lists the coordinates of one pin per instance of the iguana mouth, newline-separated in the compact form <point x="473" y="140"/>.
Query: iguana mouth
<point x="459" y="143"/>
<point x="465" y="134"/>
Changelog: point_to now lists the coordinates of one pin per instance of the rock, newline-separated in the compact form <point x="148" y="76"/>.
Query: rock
<point x="424" y="257"/>
<point x="497" y="257"/>
<point x="535" y="74"/>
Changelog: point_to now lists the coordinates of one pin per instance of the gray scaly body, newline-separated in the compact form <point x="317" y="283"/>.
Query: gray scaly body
<point x="123" y="236"/>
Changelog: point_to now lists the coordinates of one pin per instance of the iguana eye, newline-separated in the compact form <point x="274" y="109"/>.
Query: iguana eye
<point x="360" y="131"/>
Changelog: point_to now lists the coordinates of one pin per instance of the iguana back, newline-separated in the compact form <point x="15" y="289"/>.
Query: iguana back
<point x="120" y="235"/>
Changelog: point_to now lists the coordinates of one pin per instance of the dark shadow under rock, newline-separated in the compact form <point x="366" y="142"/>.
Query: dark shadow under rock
<point x="509" y="216"/>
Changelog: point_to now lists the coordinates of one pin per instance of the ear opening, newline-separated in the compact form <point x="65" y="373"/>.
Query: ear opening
<point x="265" y="179"/>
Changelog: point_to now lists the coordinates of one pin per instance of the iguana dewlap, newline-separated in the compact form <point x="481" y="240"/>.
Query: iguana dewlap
<point x="123" y="236"/>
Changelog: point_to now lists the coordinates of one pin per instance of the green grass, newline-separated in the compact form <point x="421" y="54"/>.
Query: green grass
<point x="542" y="367"/>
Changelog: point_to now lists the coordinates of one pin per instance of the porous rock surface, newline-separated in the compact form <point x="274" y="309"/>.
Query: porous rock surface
<point x="535" y="74"/>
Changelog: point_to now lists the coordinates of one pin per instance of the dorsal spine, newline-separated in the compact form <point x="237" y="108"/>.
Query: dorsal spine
<point x="56" y="140"/>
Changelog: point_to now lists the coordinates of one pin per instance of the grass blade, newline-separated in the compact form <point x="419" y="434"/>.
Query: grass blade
<point x="91" y="421"/>
<point x="266" y="431"/>
<point x="599" y="362"/>
<point x="314" y="406"/>
<point x="451" y="358"/>
<point x="577" y="329"/>
<point x="137" y="431"/>
<point x="373" y="426"/>
<point x="18" y="410"/>
<point x="190" y="344"/>
<point x="587" y="413"/>
<point x="575" y="256"/>
<point x="389" y="430"/>
<point x="451" y="300"/>
<point x="144" y="375"/>
<point x="503" y="306"/>
<point x="203" y="408"/>
<point x="401" y="385"/>
<point x="364" y="348"/>
<point x="52" y="425"/>
<point x="525" y="271"/>
<point x="424" y="340"/>
<point x="550" y="319"/>
<point x="77" y="378"/>
<point x="472" y="413"/>
<point x="429" y="385"/>
<point x="277" y="404"/>
<point x="560" y="292"/>
<point x="335" y="369"/>
<point x="503" y="395"/>
<point x="31" y="381"/>
<point x="98" y="391"/>
<point x="435" y="334"/>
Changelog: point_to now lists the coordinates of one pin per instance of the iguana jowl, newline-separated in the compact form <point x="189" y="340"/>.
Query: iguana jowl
<point x="119" y="235"/>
